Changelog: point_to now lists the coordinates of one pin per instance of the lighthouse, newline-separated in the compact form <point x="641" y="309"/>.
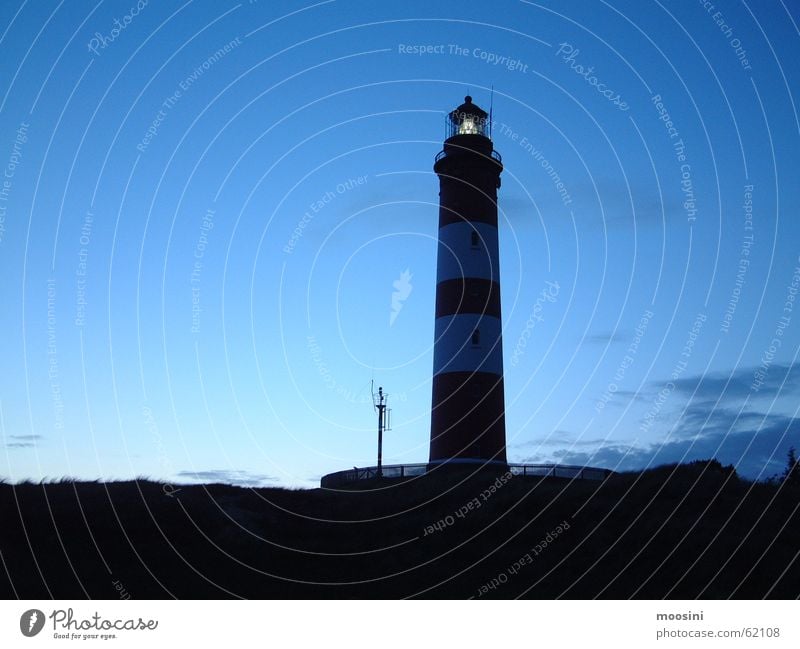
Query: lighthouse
<point x="468" y="429"/>
<point x="467" y="405"/>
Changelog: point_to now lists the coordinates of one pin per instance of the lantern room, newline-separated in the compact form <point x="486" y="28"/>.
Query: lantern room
<point x="467" y="119"/>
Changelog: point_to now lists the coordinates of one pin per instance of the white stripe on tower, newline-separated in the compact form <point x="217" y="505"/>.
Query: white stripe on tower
<point x="464" y="254"/>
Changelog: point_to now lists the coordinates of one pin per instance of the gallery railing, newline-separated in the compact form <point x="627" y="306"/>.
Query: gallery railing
<point x="400" y="471"/>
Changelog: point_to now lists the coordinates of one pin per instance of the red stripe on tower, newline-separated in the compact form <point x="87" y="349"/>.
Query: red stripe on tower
<point x="468" y="411"/>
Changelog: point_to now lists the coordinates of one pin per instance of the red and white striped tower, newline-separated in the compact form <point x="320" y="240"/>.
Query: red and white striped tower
<point x="468" y="410"/>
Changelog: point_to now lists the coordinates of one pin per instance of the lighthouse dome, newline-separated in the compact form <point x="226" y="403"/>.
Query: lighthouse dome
<point x="468" y="108"/>
<point x="468" y="119"/>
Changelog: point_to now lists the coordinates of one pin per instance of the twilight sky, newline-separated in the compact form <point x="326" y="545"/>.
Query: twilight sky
<point x="218" y="225"/>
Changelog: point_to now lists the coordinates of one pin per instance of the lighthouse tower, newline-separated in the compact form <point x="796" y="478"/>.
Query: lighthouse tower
<point x="468" y="410"/>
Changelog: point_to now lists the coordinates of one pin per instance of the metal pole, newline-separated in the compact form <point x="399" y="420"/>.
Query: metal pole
<point x="380" y="432"/>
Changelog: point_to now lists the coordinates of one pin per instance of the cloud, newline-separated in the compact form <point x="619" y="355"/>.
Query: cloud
<point x="780" y="379"/>
<point x="607" y="338"/>
<point x="710" y="415"/>
<point x="711" y="425"/>
<point x="755" y="444"/>
<point x="624" y="204"/>
<point x="558" y="438"/>
<point x="23" y="441"/>
<point x="234" y="477"/>
<point x="713" y="389"/>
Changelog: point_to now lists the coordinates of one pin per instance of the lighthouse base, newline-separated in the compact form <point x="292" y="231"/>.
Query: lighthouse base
<point x="454" y="471"/>
<point x="459" y="468"/>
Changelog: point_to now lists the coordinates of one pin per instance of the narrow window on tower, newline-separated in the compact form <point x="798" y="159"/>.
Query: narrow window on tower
<point x="476" y="337"/>
<point x="475" y="240"/>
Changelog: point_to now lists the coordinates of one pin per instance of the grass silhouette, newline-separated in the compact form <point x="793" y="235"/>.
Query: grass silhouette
<point x="677" y="531"/>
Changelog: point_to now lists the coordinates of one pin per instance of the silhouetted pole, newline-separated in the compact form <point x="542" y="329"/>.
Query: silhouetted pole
<point x="381" y="409"/>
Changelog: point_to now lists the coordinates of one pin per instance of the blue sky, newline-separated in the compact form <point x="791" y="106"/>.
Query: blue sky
<point x="206" y="207"/>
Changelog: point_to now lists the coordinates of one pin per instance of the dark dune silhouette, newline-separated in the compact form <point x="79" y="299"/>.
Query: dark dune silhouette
<point x="683" y="531"/>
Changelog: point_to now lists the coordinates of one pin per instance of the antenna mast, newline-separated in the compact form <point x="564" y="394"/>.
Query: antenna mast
<point x="491" y="108"/>
<point x="380" y="406"/>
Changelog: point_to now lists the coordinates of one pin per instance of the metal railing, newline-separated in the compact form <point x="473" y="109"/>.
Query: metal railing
<point x="401" y="471"/>
<point x="559" y="471"/>
<point x="442" y="154"/>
